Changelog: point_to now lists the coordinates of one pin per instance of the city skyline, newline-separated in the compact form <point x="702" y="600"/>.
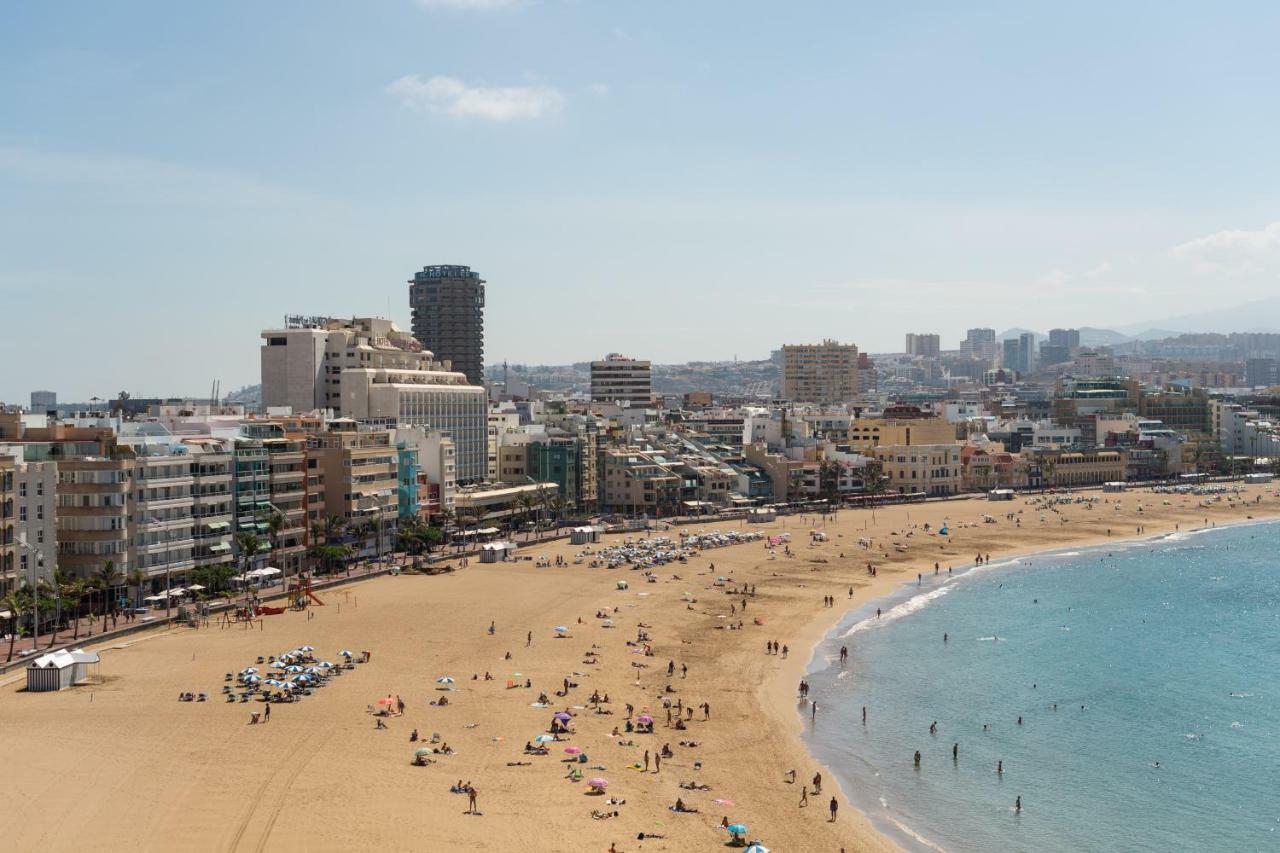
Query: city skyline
<point x="172" y="183"/>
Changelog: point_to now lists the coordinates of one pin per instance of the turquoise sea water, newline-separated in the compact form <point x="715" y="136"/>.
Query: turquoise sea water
<point x="1172" y="647"/>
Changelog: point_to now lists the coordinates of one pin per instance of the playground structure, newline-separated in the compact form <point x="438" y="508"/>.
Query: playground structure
<point x="300" y="595"/>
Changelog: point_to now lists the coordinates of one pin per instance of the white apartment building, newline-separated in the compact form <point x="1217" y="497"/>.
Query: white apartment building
<point x="618" y="379"/>
<point x="368" y="369"/>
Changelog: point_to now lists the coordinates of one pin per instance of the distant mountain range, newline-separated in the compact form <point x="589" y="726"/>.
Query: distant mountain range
<point x="1262" y="315"/>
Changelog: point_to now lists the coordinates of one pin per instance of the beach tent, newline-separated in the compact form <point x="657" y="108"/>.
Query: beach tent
<point x="761" y="516"/>
<point x="52" y="671"/>
<point x="1000" y="495"/>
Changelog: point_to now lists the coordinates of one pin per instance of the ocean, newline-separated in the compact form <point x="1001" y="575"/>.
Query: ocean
<point x="1162" y="658"/>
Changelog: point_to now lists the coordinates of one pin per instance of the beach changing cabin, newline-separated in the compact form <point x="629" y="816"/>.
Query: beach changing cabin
<point x="497" y="552"/>
<point x="763" y="515"/>
<point x="60" y="670"/>
<point x="1113" y="487"/>
<point x="1000" y="495"/>
<point x="585" y="535"/>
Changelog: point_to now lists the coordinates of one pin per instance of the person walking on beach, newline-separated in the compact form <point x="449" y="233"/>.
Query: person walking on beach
<point x="657" y="762"/>
<point x="493" y="627"/>
<point x="528" y="641"/>
<point x="804" y="796"/>
<point x="266" y="713"/>
<point x="706" y="711"/>
<point x="835" y="806"/>
<point x="646" y="761"/>
<point x="784" y="652"/>
<point x="817" y="783"/>
<point x="814" y="715"/>
<point x="471" y="800"/>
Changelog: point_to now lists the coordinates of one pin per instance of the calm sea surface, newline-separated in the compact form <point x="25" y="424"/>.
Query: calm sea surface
<point x="1163" y="659"/>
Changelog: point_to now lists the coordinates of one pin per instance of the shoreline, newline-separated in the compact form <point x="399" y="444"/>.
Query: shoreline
<point x="822" y="631"/>
<point x="421" y="628"/>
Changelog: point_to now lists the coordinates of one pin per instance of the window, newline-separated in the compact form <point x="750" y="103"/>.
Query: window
<point x="40" y="537"/>
<point x="22" y="490"/>
<point x="39" y="512"/>
<point x="22" y="513"/>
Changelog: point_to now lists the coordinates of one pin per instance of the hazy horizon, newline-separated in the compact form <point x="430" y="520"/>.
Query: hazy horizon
<point x="677" y="182"/>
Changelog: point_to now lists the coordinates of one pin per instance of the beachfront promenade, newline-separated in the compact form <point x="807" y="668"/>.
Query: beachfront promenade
<point x="151" y="769"/>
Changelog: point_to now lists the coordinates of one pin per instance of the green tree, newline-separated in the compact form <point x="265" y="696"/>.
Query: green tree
<point x="18" y="603"/>
<point x="107" y="579"/>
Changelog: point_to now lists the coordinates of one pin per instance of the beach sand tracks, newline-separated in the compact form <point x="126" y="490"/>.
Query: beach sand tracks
<point x="265" y="805"/>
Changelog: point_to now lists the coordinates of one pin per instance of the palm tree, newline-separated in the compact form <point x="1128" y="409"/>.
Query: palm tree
<point x="248" y="544"/>
<point x="275" y="522"/>
<point x="107" y="579"/>
<point x="18" y="605"/>
<point x="558" y="506"/>
<point x="873" y="485"/>
<point x="525" y="502"/>
<point x="136" y="580"/>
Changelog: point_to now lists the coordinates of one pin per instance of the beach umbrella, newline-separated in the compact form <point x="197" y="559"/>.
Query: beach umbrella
<point x="248" y="671"/>
<point x="563" y="717"/>
<point x="737" y="828"/>
<point x="543" y="739"/>
<point x="346" y="653"/>
<point x="561" y="629"/>
<point x="387" y="700"/>
<point x="645" y="719"/>
<point x="419" y="753"/>
<point x="756" y="848"/>
<point x="307" y="648"/>
<point x="293" y="668"/>
<point x="517" y="675"/>
<point x="287" y="654"/>
<point x="324" y="664"/>
<point x="571" y="750"/>
<point x="444" y="679"/>
<point x="608" y="623"/>
<point x="598" y="782"/>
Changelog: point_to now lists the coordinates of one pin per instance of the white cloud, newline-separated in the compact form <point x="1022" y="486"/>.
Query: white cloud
<point x="451" y="96"/>
<point x="470" y="5"/>
<point x="1238" y="249"/>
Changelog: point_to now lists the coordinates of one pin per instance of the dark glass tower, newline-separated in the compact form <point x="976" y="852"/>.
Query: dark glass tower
<point x="448" y="316"/>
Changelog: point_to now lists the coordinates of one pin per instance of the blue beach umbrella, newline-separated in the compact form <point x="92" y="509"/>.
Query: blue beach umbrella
<point x="543" y="739"/>
<point x="737" y="828"/>
<point x="293" y="668"/>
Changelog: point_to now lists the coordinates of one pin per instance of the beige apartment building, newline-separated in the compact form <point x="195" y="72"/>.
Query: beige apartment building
<point x="932" y="469"/>
<point x="825" y="373"/>
<point x="635" y="482"/>
<point x="866" y="433"/>
<point x="359" y="471"/>
<point x="8" y="536"/>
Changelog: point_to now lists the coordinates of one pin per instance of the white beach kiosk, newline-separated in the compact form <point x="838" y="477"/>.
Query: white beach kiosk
<point x="497" y="552"/>
<point x="60" y="670"/>
<point x="585" y="535"/>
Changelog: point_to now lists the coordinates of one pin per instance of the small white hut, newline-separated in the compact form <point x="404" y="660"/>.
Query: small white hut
<point x="497" y="552"/>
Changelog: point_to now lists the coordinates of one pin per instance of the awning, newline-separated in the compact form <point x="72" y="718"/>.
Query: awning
<point x="267" y="572"/>
<point x="154" y="598"/>
<point x="195" y="587"/>
<point x="219" y="547"/>
<point x="218" y="525"/>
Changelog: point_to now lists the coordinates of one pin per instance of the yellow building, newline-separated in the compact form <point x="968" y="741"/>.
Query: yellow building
<point x="933" y="469"/>
<point x="867" y="433"/>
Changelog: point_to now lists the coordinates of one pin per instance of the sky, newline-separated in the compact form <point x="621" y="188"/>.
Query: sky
<point x="674" y="181"/>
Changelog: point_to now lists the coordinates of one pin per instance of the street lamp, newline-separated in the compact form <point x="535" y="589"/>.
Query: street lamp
<point x="168" y="540"/>
<point x="35" y="591"/>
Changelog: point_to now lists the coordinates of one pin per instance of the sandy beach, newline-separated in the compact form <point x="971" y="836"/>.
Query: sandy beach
<point x="124" y="765"/>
